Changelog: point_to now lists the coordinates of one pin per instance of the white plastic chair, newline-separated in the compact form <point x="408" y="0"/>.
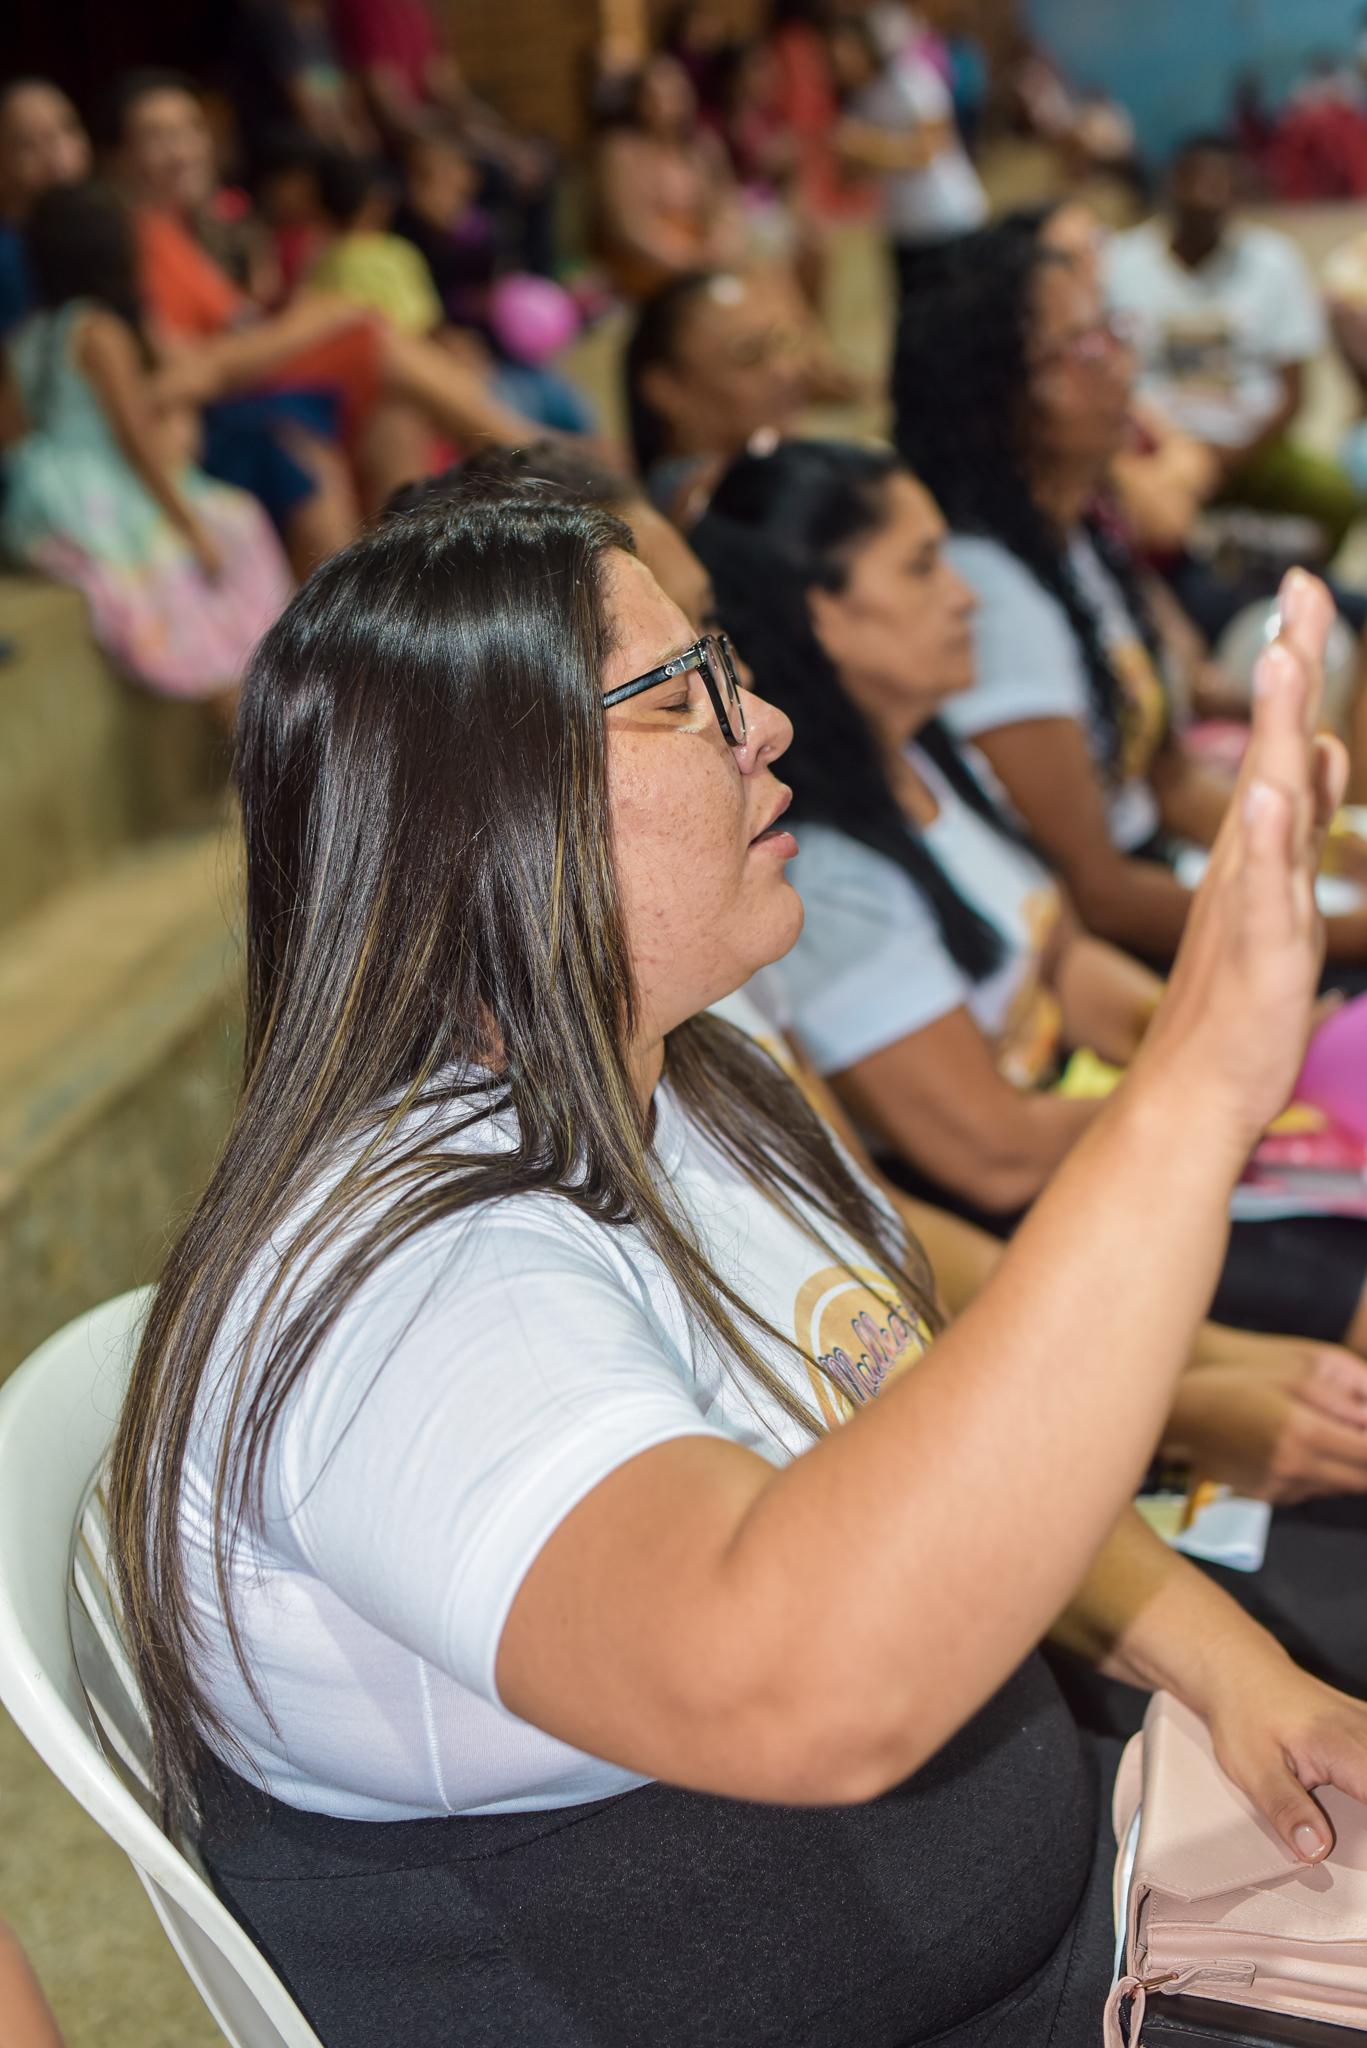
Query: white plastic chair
<point x="65" y="1676"/>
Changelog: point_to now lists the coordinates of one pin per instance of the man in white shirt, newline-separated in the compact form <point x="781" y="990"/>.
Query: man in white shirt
<point x="1225" y="317"/>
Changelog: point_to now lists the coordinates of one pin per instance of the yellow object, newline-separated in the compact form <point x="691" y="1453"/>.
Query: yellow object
<point x="1165" y="1514"/>
<point x="1298" y="1117"/>
<point x="1088" y="1078"/>
<point x="385" y="273"/>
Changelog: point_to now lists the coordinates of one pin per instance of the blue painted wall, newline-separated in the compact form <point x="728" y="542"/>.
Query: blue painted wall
<point x="1173" y="63"/>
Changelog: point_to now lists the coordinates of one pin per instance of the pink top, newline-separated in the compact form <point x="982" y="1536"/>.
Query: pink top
<point x="398" y="35"/>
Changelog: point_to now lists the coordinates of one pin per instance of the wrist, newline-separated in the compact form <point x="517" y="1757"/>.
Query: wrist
<point x="1229" y="1666"/>
<point x="1170" y="1102"/>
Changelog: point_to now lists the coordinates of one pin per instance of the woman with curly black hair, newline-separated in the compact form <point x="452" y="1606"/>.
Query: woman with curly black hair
<point x="1012" y="397"/>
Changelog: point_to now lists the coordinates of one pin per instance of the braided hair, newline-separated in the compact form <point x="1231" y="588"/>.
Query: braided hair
<point x="779" y="526"/>
<point x="960" y="390"/>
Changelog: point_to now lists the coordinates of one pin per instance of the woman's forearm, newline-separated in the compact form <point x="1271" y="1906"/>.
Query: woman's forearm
<point x="1019" y="1464"/>
<point x="813" y="1644"/>
<point x="1139" y="905"/>
<point x="1193" y="799"/>
<point x="1108" y="998"/>
<point x="1146" y="1615"/>
<point x="261" y="348"/>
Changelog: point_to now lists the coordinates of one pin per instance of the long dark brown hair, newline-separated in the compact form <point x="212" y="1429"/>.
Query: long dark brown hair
<point x="430" y="902"/>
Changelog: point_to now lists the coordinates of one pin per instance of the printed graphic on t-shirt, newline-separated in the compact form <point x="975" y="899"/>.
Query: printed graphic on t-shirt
<point x="1198" y="352"/>
<point x="1142" y="712"/>
<point x="1028" y="1043"/>
<point x="1143" y="706"/>
<point x="854" y="1322"/>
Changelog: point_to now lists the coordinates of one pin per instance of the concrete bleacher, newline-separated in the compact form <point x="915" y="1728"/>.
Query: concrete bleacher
<point x="120" y="1030"/>
<point x="119" y="976"/>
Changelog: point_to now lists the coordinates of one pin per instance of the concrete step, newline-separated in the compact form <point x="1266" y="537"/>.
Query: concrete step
<point x="88" y="762"/>
<point x="119" y="1048"/>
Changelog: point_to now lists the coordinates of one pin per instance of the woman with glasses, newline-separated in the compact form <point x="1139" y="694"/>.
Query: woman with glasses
<point x="1012" y="391"/>
<point x="540" y="1588"/>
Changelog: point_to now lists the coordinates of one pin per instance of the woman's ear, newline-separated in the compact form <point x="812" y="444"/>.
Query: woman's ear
<point x="828" y="611"/>
<point x="665" y="391"/>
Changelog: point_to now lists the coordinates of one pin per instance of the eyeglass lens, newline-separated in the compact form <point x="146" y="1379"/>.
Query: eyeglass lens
<point x="723" y="670"/>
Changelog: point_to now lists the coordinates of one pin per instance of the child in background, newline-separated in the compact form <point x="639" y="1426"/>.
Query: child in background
<point x="181" y="574"/>
<point x="458" y="238"/>
<point x="366" y="261"/>
<point x="439" y="214"/>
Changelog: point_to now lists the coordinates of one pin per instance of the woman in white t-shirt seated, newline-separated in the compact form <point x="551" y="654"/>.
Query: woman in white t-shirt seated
<point x="1012" y="393"/>
<point x="940" y="976"/>
<point x="544" y="1666"/>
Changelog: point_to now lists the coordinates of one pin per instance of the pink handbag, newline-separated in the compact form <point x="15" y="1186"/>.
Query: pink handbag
<point x="1217" y="1908"/>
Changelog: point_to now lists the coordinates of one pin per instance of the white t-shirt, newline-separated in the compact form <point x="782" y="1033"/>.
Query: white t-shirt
<point x="944" y="198"/>
<point x="871" y="966"/>
<point x="1028" y="665"/>
<point x="1213" y="341"/>
<point x="478" y="1386"/>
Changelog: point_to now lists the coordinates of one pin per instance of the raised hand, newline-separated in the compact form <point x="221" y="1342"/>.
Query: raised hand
<point x="1232" y="1027"/>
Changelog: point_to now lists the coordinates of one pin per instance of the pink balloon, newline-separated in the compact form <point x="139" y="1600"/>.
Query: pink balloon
<point x="1334" y="1077"/>
<point x="532" y="317"/>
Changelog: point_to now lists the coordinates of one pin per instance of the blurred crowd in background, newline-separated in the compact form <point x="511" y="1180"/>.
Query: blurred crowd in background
<point x="241" y="311"/>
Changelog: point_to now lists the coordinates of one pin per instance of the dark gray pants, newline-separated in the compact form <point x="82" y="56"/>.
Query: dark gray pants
<point x="970" y="1908"/>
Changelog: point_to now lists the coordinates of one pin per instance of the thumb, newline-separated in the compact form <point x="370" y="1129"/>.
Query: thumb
<point x="1283" y="1801"/>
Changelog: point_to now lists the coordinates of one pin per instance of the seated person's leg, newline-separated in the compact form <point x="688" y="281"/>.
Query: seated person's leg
<point x="1288" y="477"/>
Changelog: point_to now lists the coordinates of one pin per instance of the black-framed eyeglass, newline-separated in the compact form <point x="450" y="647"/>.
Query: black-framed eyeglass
<point x="712" y="658"/>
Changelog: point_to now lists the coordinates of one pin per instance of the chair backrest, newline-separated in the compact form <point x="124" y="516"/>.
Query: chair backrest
<point x="65" y="1676"/>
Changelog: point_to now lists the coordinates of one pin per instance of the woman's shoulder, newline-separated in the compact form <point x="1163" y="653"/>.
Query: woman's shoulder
<point x="74" y="334"/>
<point x="858" y="903"/>
<point x="1026" y="659"/>
<point x="90" y="326"/>
<point x="997" y="574"/>
<point x="439" y="1158"/>
<point x="833" y="863"/>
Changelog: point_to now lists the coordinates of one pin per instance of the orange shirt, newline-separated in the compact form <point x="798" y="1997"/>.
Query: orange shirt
<point x="188" y="296"/>
<point x="183" y="289"/>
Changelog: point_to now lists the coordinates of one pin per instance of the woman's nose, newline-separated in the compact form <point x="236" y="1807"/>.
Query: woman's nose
<point x="768" y="734"/>
<point x="964" y="597"/>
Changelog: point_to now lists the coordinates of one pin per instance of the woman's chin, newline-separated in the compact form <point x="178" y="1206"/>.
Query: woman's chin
<point x="782" y="927"/>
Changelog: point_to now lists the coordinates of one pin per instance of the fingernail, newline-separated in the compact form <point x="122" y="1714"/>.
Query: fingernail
<point x="1294" y="586"/>
<point x="1307" y="1840"/>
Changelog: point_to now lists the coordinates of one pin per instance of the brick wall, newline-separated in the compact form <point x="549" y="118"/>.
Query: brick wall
<point x="534" y="58"/>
